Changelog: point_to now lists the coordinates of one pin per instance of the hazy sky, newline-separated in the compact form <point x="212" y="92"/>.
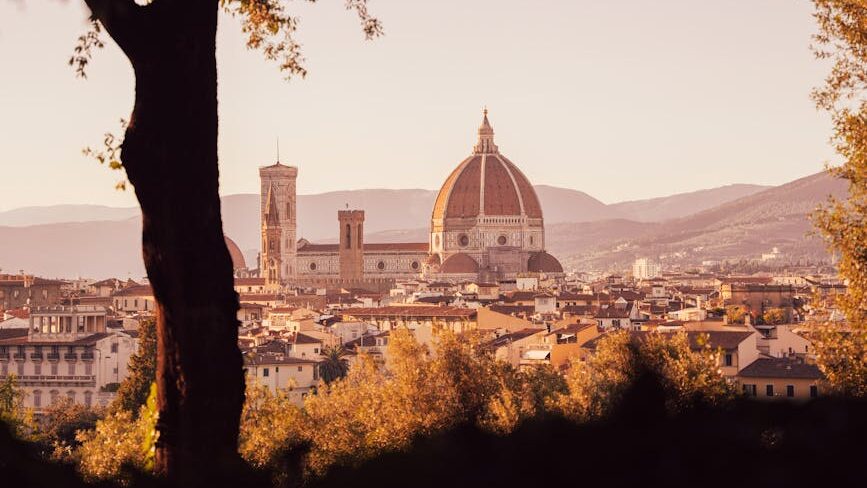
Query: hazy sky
<point x="623" y="100"/>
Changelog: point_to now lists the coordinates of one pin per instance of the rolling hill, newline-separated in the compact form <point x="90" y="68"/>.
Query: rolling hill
<point x="99" y="242"/>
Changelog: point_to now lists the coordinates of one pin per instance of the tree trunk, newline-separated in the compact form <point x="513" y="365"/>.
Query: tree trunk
<point x="170" y="156"/>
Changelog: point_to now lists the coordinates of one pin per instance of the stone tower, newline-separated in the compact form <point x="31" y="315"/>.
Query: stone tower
<point x="279" y="224"/>
<point x="351" y="254"/>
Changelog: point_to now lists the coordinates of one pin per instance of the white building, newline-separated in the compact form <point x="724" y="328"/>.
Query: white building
<point x="66" y="351"/>
<point x="644" y="268"/>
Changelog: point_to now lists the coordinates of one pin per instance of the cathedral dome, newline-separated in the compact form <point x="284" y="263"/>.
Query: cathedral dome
<point x="542" y="262"/>
<point x="459" y="263"/>
<point x="238" y="261"/>
<point x="486" y="184"/>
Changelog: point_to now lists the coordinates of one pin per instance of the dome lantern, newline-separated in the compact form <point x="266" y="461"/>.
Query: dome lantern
<point x="486" y="137"/>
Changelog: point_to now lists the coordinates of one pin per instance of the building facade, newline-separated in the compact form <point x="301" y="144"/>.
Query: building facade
<point x="487" y="221"/>
<point x="66" y="352"/>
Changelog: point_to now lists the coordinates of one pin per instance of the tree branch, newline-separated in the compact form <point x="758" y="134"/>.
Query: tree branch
<point x="122" y="19"/>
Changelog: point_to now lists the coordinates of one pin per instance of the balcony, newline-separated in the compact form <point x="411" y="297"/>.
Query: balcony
<point x="4" y="356"/>
<point x="19" y="356"/>
<point x="36" y="356"/>
<point x="70" y="356"/>
<point x="53" y="356"/>
<point x="87" y="356"/>
<point x="57" y="380"/>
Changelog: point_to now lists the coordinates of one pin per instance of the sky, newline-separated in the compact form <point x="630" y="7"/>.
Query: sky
<point x="623" y="100"/>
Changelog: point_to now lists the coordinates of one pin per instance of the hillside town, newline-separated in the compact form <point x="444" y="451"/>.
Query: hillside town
<point x="485" y="270"/>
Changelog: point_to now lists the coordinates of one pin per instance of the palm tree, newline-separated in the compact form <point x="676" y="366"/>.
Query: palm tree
<point x="334" y="364"/>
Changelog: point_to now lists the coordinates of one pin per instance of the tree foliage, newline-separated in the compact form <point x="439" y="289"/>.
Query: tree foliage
<point x="774" y="316"/>
<point x="119" y="442"/>
<point x="842" y="41"/>
<point x="267" y="25"/>
<point x="134" y="391"/>
<point x="334" y="364"/>
<point x="12" y="404"/>
<point x="736" y="314"/>
<point x="59" y="424"/>
<point x="688" y="377"/>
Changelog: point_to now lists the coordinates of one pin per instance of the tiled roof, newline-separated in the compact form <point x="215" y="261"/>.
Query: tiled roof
<point x="135" y="291"/>
<point x="504" y="190"/>
<point x="249" y="281"/>
<point x="542" y="262"/>
<point x="459" y="263"/>
<point x="411" y="311"/>
<point x="23" y="339"/>
<point x="781" y="368"/>
<point x="572" y="329"/>
<point x="259" y="297"/>
<point x="511" y="337"/>
<point x="300" y="338"/>
<point x="254" y="359"/>
<point x="369" y="246"/>
<point x="6" y="334"/>
<point x="612" y="313"/>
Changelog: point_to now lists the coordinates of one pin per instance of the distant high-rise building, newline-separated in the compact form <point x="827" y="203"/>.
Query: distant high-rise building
<point x="278" y="215"/>
<point x="644" y="268"/>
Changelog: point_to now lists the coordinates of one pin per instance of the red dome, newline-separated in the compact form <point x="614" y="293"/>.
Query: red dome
<point x="459" y="263"/>
<point x="542" y="262"/>
<point x="238" y="261"/>
<point x="486" y="183"/>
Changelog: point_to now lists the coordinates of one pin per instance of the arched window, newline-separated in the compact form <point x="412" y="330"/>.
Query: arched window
<point x="37" y="398"/>
<point x="88" y="398"/>
<point x="348" y="236"/>
<point x="358" y="236"/>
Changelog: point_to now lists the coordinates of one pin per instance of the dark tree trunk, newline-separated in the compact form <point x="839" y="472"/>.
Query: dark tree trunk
<point x="170" y="156"/>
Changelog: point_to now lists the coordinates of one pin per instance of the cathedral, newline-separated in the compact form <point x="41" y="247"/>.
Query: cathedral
<point x="486" y="226"/>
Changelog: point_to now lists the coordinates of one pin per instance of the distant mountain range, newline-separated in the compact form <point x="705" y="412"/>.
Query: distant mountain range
<point x="742" y="228"/>
<point x="98" y="241"/>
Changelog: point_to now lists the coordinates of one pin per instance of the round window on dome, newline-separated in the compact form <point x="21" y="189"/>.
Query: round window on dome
<point x="312" y="266"/>
<point x="464" y="240"/>
<point x="415" y="265"/>
<point x="380" y="265"/>
<point x="501" y="240"/>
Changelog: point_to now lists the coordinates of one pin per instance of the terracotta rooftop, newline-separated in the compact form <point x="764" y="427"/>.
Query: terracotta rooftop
<point x="8" y="338"/>
<point x="486" y="183"/>
<point x="459" y="263"/>
<point x="369" y="246"/>
<point x="249" y="281"/>
<point x="781" y="368"/>
<point x="542" y="262"/>
<point x="410" y="311"/>
<point x="135" y="291"/>
<point x="235" y="253"/>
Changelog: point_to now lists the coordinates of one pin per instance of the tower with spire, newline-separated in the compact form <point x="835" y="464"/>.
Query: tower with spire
<point x="277" y="263"/>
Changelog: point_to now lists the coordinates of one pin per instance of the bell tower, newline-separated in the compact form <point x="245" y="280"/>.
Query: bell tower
<point x="278" y="218"/>
<point x="351" y="253"/>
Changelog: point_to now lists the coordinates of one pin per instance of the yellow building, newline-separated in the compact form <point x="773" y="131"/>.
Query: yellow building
<point x="775" y="378"/>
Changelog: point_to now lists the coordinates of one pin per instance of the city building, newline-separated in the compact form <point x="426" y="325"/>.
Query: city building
<point x="486" y="226"/>
<point x="644" y="268"/>
<point x="66" y="351"/>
